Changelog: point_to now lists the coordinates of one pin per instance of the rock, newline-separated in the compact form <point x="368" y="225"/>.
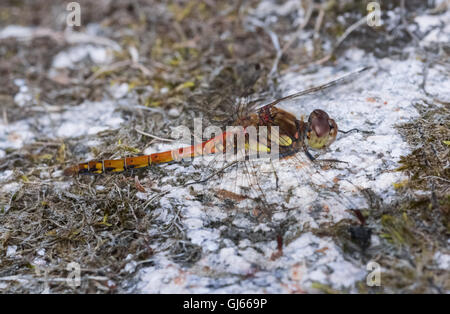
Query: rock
<point x="174" y="113"/>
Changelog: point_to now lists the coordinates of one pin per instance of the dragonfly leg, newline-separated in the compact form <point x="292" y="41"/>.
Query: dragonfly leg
<point x="346" y="132"/>
<point x="332" y="160"/>
<point x="356" y="130"/>
<point x="275" y="174"/>
<point x="315" y="159"/>
<point x="309" y="155"/>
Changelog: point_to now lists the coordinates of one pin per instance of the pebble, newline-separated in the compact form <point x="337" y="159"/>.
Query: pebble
<point x="174" y="113"/>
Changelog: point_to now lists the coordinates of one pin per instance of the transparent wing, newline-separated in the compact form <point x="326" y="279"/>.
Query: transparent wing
<point x="279" y="187"/>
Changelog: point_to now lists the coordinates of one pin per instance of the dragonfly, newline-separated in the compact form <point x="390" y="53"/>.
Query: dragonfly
<point x="291" y="136"/>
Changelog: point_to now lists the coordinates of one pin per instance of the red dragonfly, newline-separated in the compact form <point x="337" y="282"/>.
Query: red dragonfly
<point x="293" y="136"/>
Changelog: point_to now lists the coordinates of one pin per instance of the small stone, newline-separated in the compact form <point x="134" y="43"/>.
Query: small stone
<point x="44" y="175"/>
<point x="174" y="113"/>
<point x="11" y="251"/>
<point x="120" y="91"/>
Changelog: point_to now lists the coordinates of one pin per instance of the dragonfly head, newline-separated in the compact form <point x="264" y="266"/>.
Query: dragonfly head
<point x="321" y="131"/>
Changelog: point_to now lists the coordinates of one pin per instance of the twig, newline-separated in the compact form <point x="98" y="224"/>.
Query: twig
<point x="341" y="39"/>
<point x="319" y="21"/>
<point x="151" y="109"/>
<point x="5" y="116"/>
<point x="435" y="177"/>
<point x="311" y="8"/>
<point x="55" y="144"/>
<point x="111" y="67"/>
<point x="275" y="43"/>
<point x="142" y="68"/>
<point x="153" y="136"/>
<point x="116" y="66"/>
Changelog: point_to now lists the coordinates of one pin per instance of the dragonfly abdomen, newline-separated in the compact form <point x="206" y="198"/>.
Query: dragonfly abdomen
<point x="214" y="145"/>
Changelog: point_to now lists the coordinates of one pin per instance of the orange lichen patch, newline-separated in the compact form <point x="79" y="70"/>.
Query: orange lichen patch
<point x="300" y="165"/>
<point x="14" y="137"/>
<point x="181" y="279"/>
<point x="279" y="251"/>
<point x="74" y="170"/>
<point x="224" y="194"/>
<point x="322" y="250"/>
<point x="288" y="157"/>
<point x="256" y="212"/>
<point x="293" y="289"/>
<point x="276" y="255"/>
<point x="371" y="99"/>
<point x="138" y="185"/>
<point x="297" y="272"/>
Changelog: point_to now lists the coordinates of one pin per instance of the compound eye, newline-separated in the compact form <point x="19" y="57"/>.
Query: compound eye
<point x="333" y="131"/>
<point x="333" y="126"/>
<point x="320" y="127"/>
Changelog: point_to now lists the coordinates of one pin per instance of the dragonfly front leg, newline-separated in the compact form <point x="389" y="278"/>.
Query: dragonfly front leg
<point x="314" y="159"/>
<point x="356" y="130"/>
<point x="308" y="154"/>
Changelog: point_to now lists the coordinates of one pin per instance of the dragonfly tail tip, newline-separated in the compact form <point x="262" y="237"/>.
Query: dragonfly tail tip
<point x="71" y="171"/>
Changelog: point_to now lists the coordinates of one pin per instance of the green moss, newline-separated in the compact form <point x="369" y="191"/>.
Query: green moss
<point x="324" y="288"/>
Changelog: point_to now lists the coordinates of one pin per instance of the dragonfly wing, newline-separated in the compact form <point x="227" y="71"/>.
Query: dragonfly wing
<point x="293" y="186"/>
